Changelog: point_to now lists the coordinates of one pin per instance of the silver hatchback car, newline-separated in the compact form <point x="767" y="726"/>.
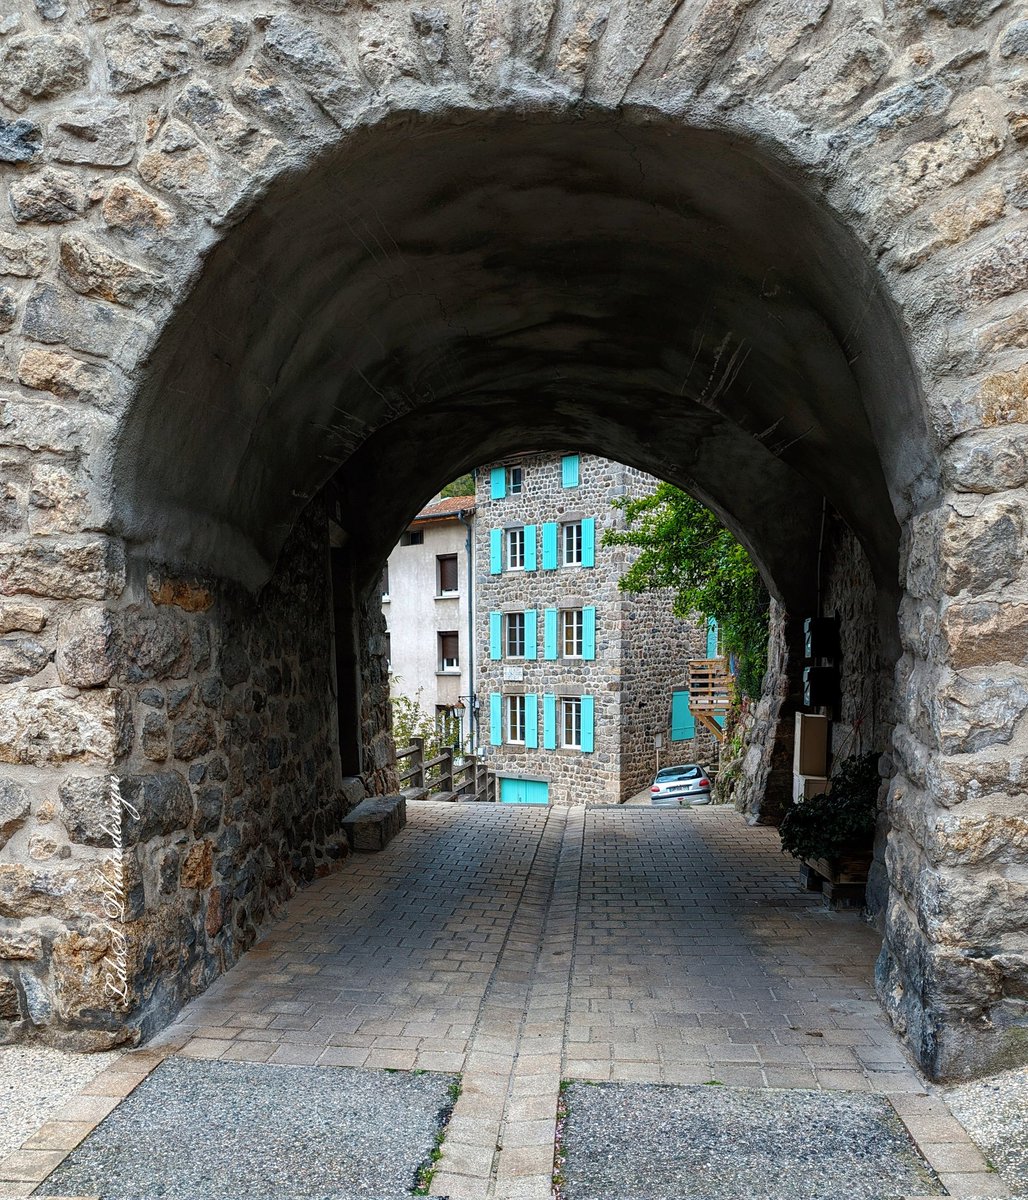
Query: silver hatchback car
<point x="685" y="784"/>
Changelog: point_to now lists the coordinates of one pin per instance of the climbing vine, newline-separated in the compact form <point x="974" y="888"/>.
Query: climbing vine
<point x="683" y="546"/>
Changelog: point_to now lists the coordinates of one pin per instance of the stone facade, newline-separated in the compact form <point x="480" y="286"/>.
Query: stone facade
<point x="641" y="648"/>
<point x="225" y="724"/>
<point x="774" y="254"/>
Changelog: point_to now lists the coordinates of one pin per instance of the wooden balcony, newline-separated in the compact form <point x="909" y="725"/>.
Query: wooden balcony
<point x="710" y="693"/>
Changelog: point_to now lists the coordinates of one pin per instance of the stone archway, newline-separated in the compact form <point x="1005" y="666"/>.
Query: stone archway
<point x="386" y="244"/>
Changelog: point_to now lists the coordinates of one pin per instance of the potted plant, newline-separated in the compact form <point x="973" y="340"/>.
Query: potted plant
<point x="833" y="833"/>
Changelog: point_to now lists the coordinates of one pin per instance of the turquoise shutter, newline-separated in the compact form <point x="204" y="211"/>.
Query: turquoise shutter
<point x="588" y="723"/>
<point x="531" y="644"/>
<point x="711" y="638"/>
<point x="550" y="633"/>
<point x="531" y="721"/>
<point x="495" y="635"/>
<point x="588" y="632"/>
<point x="683" y="723"/>
<point x="495" y="720"/>
<point x="589" y="542"/>
<point x="550" y="546"/>
<point x="549" y="722"/>
<point x="569" y="470"/>
<point x="498" y="483"/>
<point x="530" y="548"/>
<point x="495" y="551"/>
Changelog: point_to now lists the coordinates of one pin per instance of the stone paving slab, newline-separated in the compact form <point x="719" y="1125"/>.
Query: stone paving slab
<point x="646" y="1142"/>
<point x="523" y="946"/>
<point x="220" y="1131"/>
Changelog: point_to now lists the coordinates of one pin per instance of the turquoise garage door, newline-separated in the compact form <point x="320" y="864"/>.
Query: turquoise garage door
<point x="524" y="791"/>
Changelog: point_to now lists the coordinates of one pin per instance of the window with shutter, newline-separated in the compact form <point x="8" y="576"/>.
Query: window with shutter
<point x="514" y="635"/>
<point x="449" y="651"/>
<point x="571" y="630"/>
<point x="447" y="574"/>
<point x="516" y="549"/>
<point x="515" y="719"/>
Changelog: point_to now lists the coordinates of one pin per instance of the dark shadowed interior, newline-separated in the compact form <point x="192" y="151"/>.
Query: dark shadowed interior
<point x="447" y="289"/>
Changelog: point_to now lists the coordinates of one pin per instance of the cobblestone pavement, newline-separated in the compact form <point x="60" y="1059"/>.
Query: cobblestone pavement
<point x="522" y="946"/>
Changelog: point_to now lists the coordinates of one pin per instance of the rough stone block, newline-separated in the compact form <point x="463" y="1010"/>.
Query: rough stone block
<point x="21" y="255"/>
<point x="17" y="617"/>
<point x="41" y="67"/>
<point x="14" y="809"/>
<point x="92" y="270"/>
<point x="49" y="198"/>
<point x="21" y="657"/>
<point x="61" y="571"/>
<point x="46" y="725"/>
<point x="86" y="809"/>
<point x="375" y="822"/>
<point x="20" y="141"/>
<point x="98" y="135"/>
<point x="145" y="52"/>
<point x="163" y="801"/>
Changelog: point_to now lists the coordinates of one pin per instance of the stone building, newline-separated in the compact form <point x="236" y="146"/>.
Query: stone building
<point x="576" y="676"/>
<point x="428" y="602"/>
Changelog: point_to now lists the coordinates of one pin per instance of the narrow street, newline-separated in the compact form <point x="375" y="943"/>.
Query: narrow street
<point x="523" y="946"/>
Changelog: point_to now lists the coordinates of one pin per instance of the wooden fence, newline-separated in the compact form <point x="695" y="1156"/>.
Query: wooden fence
<point x="448" y="776"/>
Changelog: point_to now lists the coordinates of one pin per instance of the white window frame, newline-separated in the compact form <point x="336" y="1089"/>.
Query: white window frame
<point x="514" y="718"/>
<point x="571" y="708"/>
<point x="567" y="617"/>
<point x="512" y="538"/>
<point x="568" y="533"/>
<point x="507" y="622"/>
<point x="515" y="485"/>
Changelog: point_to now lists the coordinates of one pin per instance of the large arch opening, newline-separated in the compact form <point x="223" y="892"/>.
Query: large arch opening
<point x="443" y="290"/>
<point x="447" y="287"/>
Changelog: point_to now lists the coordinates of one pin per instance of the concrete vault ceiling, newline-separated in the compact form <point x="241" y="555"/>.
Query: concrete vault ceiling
<point x="441" y="292"/>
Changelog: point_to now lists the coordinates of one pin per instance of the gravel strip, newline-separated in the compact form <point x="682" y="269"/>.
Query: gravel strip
<point x="225" y="1131"/>
<point x="654" y="1142"/>
<point x="35" y="1081"/>
<point x="994" y="1112"/>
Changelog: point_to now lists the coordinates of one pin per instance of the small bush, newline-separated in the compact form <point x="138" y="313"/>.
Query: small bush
<point x="841" y="820"/>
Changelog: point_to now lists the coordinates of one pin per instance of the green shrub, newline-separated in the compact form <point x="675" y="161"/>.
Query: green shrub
<point x="841" y="820"/>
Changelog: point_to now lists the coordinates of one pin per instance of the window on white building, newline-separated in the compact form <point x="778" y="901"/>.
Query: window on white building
<point x="446" y="574"/>
<point x="449" y="651"/>
<point x="571" y="723"/>
<point x="571" y="539"/>
<point x="572" y="630"/>
<point x="413" y="537"/>
<point x="515" y="718"/>
<point x="514" y="634"/>
<point x="516" y="549"/>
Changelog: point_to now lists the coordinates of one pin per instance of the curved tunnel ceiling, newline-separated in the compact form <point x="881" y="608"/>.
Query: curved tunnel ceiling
<point x="440" y="293"/>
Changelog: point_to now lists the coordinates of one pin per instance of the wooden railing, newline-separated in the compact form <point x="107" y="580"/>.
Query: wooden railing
<point x="447" y="776"/>
<point x="710" y="693"/>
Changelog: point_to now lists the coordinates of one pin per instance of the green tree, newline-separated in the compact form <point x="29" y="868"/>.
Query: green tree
<point x="683" y="546"/>
<point x="464" y="485"/>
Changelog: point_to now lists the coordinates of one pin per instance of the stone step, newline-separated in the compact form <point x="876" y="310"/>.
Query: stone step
<point x="375" y="822"/>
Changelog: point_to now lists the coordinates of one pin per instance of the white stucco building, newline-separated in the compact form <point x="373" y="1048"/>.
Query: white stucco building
<point x="427" y="598"/>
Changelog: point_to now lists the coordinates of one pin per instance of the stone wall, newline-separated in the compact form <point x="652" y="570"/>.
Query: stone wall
<point x="656" y="647"/>
<point x="226" y="725"/>
<point x="863" y="722"/>
<point x="195" y="341"/>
